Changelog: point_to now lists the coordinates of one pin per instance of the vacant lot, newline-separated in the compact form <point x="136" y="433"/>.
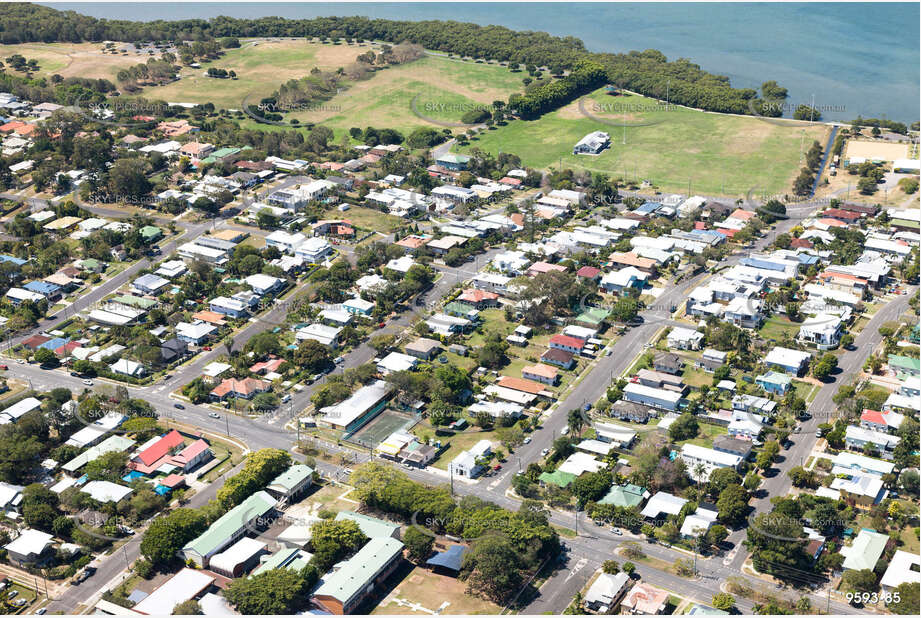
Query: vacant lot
<point x="420" y="591"/>
<point x="669" y="146"/>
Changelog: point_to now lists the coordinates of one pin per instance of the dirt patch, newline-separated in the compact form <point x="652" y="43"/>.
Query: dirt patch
<point x="884" y="151"/>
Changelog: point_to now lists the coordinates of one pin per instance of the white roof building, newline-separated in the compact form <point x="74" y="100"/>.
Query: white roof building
<point x="663" y="502"/>
<point x="904" y="567"/>
<point x="580" y="463"/>
<point x="105" y="491"/>
<point x="183" y="586"/>
<point x="396" y="361"/>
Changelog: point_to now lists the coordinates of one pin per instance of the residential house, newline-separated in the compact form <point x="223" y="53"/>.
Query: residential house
<point x="694" y="455"/>
<point x="787" y="360"/>
<point x="606" y="591"/>
<point x="232" y="388"/>
<point x="775" y="382"/>
<point x="885" y="421"/>
<point x="667" y="362"/>
<point x="684" y="339"/>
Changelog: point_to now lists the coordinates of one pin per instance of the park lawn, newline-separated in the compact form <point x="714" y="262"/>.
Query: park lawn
<point x="432" y="591"/>
<point x="73" y="60"/>
<point x="713" y="153"/>
<point x="426" y="92"/>
<point x="367" y="218"/>
<point x="805" y="390"/>
<point x="775" y="327"/>
<point x="261" y="67"/>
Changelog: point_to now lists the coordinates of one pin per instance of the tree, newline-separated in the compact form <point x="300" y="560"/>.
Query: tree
<point x="418" y="543"/>
<point x="170" y="532"/>
<point x="491" y="568"/>
<point x="592" y="486"/>
<point x="610" y="567"/>
<point x="824" y="366"/>
<point x="381" y="342"/>
<point x="334" y="540"/>
<point x="274" y="592"/>
<point x="732" y="505"/>
<point x="625" y="308"/>
<point x="188" y="608"/>
<point x="629" y="568"/>
<point x="802" y="477"/>
<point x="723" y="601"/>
<point x="720" y="479"/>
<point x="44" y="356"/>
<point x="107" y="467"/>
<point x="862" y="580"/>
<point x="260" y="468"/>
<point x="908" y="599"/>
<point x="684" y="428"/>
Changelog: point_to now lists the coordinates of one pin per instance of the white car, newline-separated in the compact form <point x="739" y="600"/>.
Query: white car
<point x="214" y="415"/>
<point x="527" y="440"/>
<point x="617" y="531"/>
<point x="545" y="452"/>
<point x="21" y="361"/>
<point x="88" y="382"/>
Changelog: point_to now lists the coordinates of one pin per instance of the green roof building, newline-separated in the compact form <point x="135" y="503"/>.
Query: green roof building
<point x="904" y="366"/>
<point x="593" y="317"/>
<point x="560" y="479"/>
<point x="371" y="526"/>
<point x="451" y="161"/>
<point x="462" y="310"/>
<point x="625" y="496"/>
<point x="229" y="528"/>
<point x="220" y="154"/>
<point x="91" y="264"/>
<point x="341" y="591"/>
<point x="150" y="233"/>
<point x="866" y="550"/>
<point x="110" y="444"/>
<point x="292" y="482"/>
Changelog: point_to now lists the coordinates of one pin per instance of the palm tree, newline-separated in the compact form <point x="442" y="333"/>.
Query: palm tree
<point x="228" y="345"/>
<point x="575" y="422"/>
<point x="699" y="471"/>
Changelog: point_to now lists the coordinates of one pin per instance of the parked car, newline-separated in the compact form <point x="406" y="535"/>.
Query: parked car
<point x="88" y="382"/>
<point x="286" y="398"/>
<point x="214" y="415"/>
<point x="545" y="452"/>
<point x="179" y="406"/>
<point x="527" y="440"/>
<point x="4" y="367"/>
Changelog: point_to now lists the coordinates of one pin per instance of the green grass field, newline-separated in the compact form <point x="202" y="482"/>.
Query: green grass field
<point x="718" y="154"/>
<point x="776" y="326"/>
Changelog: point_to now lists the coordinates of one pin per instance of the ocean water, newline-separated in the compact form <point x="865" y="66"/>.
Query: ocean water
<point x="849" y="58"/>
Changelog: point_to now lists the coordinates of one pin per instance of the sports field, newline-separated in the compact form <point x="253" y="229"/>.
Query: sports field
<point x="377" y="430"/>
<point x="669" y="146"/>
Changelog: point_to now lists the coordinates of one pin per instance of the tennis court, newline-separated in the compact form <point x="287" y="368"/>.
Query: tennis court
<point x="377" y="430"/>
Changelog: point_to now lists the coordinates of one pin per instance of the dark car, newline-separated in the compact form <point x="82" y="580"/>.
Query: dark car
<point x="179" y="406"/>
<point x="75" y="374"/>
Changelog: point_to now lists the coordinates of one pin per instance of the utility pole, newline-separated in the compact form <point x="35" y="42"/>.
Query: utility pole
<point x="227" y="425"/>
<point x="451" y="473"/>
<point x="127" y="562"/>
